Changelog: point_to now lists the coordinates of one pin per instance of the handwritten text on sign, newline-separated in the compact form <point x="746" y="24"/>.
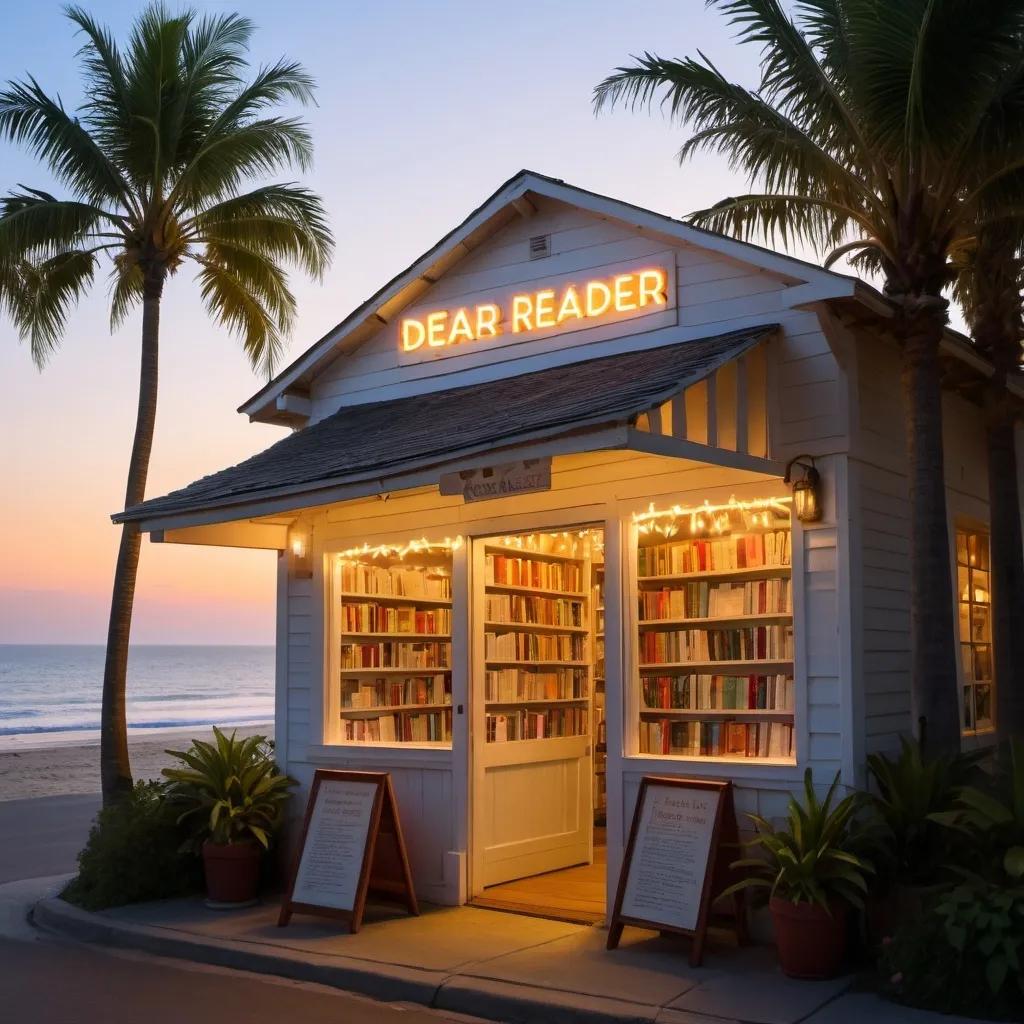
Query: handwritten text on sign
<point x="568" y="306"/>
<point x="670" y="859"/>
<point x="332" y="856"/>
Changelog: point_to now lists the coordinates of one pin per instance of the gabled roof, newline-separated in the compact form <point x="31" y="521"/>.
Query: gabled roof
<point x="382" y="439"/>
<point x="511" y="200"/>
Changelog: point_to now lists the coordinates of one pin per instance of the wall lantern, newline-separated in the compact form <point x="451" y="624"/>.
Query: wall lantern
<point x="298" y="552"/>
<point x="806" y="490"/>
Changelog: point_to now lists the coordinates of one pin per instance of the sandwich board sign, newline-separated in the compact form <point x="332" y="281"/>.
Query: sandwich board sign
<point x="681" y="842"/>
<point x="351" y="846"/>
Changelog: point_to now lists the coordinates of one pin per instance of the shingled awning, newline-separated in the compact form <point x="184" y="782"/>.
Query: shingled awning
<point x="384" y="439"/>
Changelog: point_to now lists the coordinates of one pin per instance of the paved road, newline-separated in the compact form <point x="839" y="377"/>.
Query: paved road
<point x="50" y="983"/>
<point x="42" y="837"/>
<point x="44" y="980"/>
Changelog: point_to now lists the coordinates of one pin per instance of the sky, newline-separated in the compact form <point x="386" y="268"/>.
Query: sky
<point x="423" y="109"/>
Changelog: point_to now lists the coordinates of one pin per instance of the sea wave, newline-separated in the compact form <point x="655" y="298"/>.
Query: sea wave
<point x="170" y="723"/>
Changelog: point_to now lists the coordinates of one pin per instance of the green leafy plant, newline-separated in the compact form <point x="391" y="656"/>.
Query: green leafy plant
<point x="994" y="815"/>
<point x="813" y="859"/>
<point x="963" y="954"/>
<point x="231" y="790"/>
<point x="989" y="920"/>
<point x="915" y="798"/>
<point x="132" y="854"/>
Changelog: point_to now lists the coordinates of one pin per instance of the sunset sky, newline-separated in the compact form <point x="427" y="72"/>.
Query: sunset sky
<point x="423" y="110"/>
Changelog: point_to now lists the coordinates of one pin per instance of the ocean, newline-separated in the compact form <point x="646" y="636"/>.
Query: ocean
<point x="51" y="693"/>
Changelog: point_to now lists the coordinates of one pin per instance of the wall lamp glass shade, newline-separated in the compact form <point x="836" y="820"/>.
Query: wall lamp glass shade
<point x="806" y="491"/>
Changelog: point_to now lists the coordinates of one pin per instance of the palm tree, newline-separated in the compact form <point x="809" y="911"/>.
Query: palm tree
<point x="874" y="131"/>
<point x="155" y="164"/>
<point x="988" y="288"/>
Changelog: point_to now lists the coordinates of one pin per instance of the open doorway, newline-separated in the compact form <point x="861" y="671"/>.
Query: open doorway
<point x="539" y="747"/>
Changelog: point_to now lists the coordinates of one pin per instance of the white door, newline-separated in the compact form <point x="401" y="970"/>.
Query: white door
<point x="533" y="798"/>
<point x="538" y="814"/>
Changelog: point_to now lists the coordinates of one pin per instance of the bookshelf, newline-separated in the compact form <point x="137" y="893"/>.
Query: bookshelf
<point x="537" y="638"/>
<point x="715" y="673"/>
<point x="393" y="652"/>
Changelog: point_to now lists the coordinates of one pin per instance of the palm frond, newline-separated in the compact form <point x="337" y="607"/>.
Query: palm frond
<point x="125" y="291"/>
<point x="38" y="295"/>
<point x="244" y="312"/>
<point x="287" y="222"/>
<point x="29" y="117"/>
<point x="36" y="221"/>
<point x="226" y="159"/>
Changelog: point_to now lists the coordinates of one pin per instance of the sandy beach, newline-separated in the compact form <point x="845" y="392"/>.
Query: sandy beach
<point x="36" y="769"/>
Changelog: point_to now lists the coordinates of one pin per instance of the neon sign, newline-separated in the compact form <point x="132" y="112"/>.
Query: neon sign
<point x="539" y="310"/>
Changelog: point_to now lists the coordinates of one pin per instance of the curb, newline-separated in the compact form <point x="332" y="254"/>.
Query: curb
<point x="495" y="1000"/>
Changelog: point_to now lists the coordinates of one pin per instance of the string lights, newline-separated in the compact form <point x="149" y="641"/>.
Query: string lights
<point x="564" y="542"/>
<point x="708" y="518"/>
<point x="400" y="551"/>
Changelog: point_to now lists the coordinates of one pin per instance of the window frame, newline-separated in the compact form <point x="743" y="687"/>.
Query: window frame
<point x="968" y="528"/>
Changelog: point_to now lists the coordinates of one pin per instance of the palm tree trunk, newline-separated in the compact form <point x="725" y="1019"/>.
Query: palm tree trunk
<point x="933" y="680"/>
<point x="1007" y="561"/>
<point x="115" y="769"/>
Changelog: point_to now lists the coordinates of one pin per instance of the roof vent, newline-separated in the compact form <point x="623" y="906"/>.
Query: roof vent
<point x="540" y="246"/>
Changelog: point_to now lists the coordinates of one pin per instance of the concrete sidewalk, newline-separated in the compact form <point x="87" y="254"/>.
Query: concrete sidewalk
<point x="488" y="964"/>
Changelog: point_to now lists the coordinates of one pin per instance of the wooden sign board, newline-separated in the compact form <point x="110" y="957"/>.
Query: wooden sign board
<point x="681" y="842"/>
<point x="351" y="845"/>
<point x="499" y="481"/>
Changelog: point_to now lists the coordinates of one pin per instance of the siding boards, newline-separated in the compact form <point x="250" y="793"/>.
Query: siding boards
<point x="711" y="291"/>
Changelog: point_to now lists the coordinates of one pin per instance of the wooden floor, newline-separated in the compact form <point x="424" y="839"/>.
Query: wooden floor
<point x="575" y="894"/>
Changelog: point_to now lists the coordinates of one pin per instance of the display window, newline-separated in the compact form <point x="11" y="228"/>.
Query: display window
<point x="392" y="619"/>
<point x="714" y="632"/>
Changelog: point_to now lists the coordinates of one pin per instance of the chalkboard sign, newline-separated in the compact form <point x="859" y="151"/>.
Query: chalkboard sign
<point x="680" y="844"/>
<point x="351" y="845"/>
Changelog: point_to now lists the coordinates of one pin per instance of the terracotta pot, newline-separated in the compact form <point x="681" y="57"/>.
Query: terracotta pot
<point x="232" y="871"/>
<point x="811" y="943"/>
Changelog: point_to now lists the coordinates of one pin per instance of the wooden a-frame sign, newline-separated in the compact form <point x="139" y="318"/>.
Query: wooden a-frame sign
<point x="681" y="843"/>
<point x="351" y="846"/>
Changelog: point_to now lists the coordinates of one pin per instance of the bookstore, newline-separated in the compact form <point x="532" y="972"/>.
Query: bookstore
<point x="522" y="568"/>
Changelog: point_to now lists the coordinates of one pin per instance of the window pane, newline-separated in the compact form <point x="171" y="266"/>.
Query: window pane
<point x="977" y="547"/>
<point x="980" y="623"/>
<point x="965" y="660"/>
<point x="965" y="622"/>
<point x="983" y="707"/>
<point x="968" y="716"/>
<point x="979" y="586"/>
<point x="982" y="663"/>
<point x="961" y="547"/>
<point x="963" y="583"/>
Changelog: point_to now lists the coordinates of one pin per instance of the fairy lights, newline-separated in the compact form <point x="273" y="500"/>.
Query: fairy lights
<point x="400" y="551"/>
<point x="708" y="518"/>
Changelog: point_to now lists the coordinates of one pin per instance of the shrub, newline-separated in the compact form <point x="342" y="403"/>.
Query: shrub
<point x="963" y="955"/>
<point x="915" y="795"/>
<point x="132" y="855"/>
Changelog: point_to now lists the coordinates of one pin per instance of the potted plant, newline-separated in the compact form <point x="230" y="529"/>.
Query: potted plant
<point x="809" y="875"/>
<point x="234" y="796"/>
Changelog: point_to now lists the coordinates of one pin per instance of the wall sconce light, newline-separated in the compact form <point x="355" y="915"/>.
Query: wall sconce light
<point x="298" y="550"/>
<point x="806" y="490"/>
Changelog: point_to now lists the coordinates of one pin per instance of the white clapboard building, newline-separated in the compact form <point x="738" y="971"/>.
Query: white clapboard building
<point x="536" y="541"/>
